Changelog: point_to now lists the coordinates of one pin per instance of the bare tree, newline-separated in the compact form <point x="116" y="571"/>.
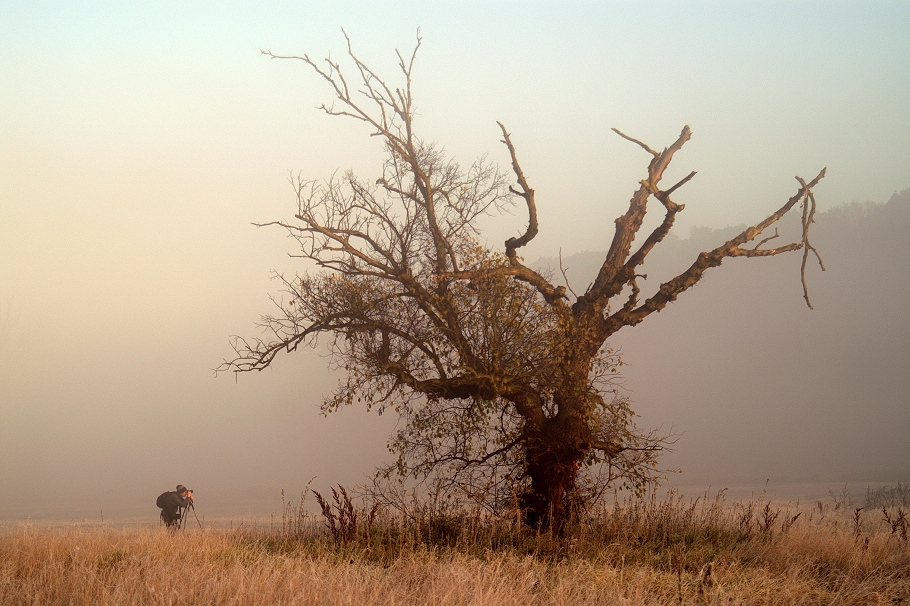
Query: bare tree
<point x="503" y="381"/>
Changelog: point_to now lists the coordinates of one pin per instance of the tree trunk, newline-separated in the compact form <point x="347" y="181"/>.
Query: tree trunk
<point x="552" y="461"/>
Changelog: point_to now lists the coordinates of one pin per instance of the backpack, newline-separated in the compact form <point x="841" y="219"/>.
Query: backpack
<point x="161" y="502"/>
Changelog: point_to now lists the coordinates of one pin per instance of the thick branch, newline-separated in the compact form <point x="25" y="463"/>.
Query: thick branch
<point x="606" y="285"/>
<point x="733" y="248"/>
<point x="552" y="294"/>
<point x="527" y="192"/>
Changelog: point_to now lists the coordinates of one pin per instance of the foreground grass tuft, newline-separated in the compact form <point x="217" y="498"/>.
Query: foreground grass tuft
<point x="642" y="552"/>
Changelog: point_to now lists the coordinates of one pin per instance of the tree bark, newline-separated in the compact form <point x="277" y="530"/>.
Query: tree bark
<point x="552" y="462"/>
<point x="554" y="456"/>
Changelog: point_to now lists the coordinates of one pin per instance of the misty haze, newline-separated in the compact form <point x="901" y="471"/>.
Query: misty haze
<point x="757" y="386"/>
<point x="530" y="296"/>
<point x="136" y="149"/>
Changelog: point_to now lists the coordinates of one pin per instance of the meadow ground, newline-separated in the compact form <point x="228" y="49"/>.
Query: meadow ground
<point x="652" y="551"/>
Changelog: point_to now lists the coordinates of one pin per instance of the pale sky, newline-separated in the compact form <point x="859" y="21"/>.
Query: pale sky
<point x="138" y="141"/>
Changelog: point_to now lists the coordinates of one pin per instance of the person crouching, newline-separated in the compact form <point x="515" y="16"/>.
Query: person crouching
<point x="172" y="502"/>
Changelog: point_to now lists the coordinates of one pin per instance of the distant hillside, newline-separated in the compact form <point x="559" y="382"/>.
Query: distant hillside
<point x="759" y="385"/>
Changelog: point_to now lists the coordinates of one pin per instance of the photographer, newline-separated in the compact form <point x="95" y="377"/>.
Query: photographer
<point x="171" y="503"/>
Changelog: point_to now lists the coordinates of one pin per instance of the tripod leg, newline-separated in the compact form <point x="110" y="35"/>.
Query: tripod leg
<point x="196" y="514"/>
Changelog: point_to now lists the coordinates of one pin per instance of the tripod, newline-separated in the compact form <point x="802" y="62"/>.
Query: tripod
<point x="183" y="516"/>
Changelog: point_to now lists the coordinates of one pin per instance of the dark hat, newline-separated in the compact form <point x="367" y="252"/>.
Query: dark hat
<point x="181" y="488"/>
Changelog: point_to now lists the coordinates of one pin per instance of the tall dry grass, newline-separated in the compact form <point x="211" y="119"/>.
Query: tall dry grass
<point x="667" y="551"/>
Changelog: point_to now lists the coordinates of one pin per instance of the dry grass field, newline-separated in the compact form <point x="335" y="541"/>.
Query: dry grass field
<point x="666" y="551"/>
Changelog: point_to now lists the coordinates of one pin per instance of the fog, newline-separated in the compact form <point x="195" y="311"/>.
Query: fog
<point x="138" y="144"/>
